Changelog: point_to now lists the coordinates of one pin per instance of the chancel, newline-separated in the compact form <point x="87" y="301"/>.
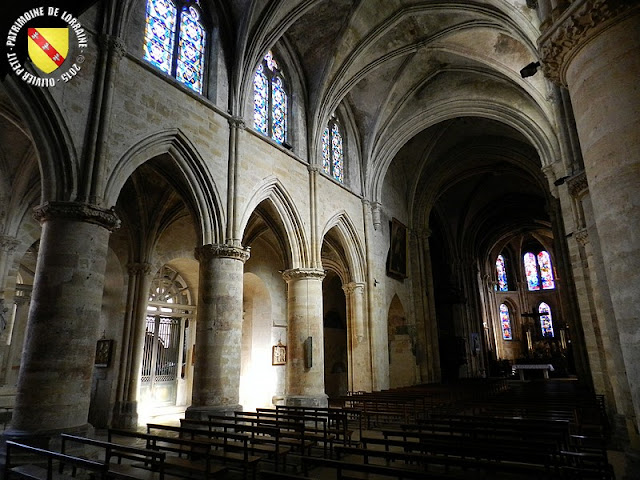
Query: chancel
<point x="209" y="207"/>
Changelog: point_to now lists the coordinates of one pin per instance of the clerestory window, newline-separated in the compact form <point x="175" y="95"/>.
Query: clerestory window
<point x="175" y="40"/>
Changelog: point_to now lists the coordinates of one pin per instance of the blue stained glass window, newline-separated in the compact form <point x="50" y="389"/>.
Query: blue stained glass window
<point x="531" y="271"/>
<point x="270" y="100"/>
<point x="332" y="151"/>
<point x="174" y="42"/>
<point x="546" y="322"/>
<point x="261" y="101"/>
<point x="278" y="110"/>
<point x="326" y="152"/>
<point x="190" y="67"/>
<point x="546" y="273"/>
<point x="503" y="285"/>
<point x="505" y="319"/>
<point x="159" y="33"/>
<point x="336" y="150"/>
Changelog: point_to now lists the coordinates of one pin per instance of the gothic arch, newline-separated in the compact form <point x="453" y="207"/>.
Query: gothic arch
<point x="198" y="179"/>
<point x="271" y="189"/>
<point x="538" y="136"/>
<point x="348" y="236"/>
<point x="56" y="152"/>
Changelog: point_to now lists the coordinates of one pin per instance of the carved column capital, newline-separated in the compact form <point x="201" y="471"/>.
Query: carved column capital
<point x="582" y="236"/>
<point x="113" y="44"/>
<point x="313" y="168"/>
<point x="207" y="252"/>
<point x="302" y="273"/>
<point x="137" y="268"/>
<point x="353" y="287"/>
<point x="82" y="212"/>
<point x="422" y="233"/>
<point x="578" y="185"/>
<point x="8" y="243"/>
<point x="236" y="122"/>
<point x="22" y="299"/>
<point x="375" y="214"/>
<point x="576" y="25"/>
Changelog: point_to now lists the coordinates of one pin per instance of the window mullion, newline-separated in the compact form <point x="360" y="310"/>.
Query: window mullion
<point x="176" y="41"/>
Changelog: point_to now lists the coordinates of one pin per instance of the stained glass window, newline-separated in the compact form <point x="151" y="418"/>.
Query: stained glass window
<point x="506" y="322"/>
<point x="190" y="65"/>
<point x="332" y="151"/>
<point x="531" y="271"/>
<point x="175" y="40"/>
<point x="270" y="100"/>
<point x="538" y="271"/>
<point x="546" y="323"/>
<point x="546" y="273"/>
<point x="503" y="285"/>
<point x="159" y="33"/>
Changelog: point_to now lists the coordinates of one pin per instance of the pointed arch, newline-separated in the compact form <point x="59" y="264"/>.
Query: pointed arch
<point x="271" y="189"/>
<point x="57" y="155"/>
<point x="351" y="243"/>
<point x="204" y="198"/>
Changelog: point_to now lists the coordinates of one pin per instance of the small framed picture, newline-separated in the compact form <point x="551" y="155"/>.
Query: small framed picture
<point x="279" y="354"/>
<point x="103" y="353"/>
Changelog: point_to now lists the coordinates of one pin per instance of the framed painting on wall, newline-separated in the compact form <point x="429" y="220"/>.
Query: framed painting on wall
<point x="398" y="251"/>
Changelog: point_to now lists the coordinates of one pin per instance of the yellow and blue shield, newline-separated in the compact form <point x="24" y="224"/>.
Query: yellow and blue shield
<point x="48" y="47"/>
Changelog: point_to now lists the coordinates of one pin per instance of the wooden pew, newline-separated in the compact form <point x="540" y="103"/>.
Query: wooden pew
<point x="227" y="447"/>
<point x="453" y="465"/>
<point x="152" y="460"/>
<point x="190" y="457"/>
<point x="263" y="441"/>
<point x="337" y="419"/>
<point x="319" y="430"/>
<point x="454" y="446"/>
<point x="46" y="464"/>
<point x="292" y="433"/>
<point x="349" y="470"/>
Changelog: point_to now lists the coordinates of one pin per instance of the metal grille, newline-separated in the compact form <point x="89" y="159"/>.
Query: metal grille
<point x="161" y="350"/>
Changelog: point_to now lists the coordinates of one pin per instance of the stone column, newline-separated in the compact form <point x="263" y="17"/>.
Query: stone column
<point x="305" y="338"/>
<point x="54" y="384"/>
<point x="17" y="338"/>
<point x="358" y="340"/>
<point x="218" y="352"/>
<point x="125" y="413"/>
<point x="593" y="48"/>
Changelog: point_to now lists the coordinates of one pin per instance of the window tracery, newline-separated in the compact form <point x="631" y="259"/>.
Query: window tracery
<point x="333" y="151"/>
<point x="270" y="100"/>
<point x="175" y="40"/>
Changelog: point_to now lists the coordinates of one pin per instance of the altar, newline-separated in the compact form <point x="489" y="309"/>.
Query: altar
<point x="520" y="368"/>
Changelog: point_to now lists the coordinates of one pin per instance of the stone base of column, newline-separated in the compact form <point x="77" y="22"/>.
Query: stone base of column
<point x="305" y="400"/>
<point x="202" y="413"/>
<point x="125" y="415"/>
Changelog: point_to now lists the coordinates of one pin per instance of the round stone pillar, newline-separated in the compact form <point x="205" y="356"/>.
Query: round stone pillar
<point x="216" y="375"/>
<point x="593" y="49"/>
<point x="358" y="341"/>
<point x="54" y="384"/>
<point x="305" y="338"/>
